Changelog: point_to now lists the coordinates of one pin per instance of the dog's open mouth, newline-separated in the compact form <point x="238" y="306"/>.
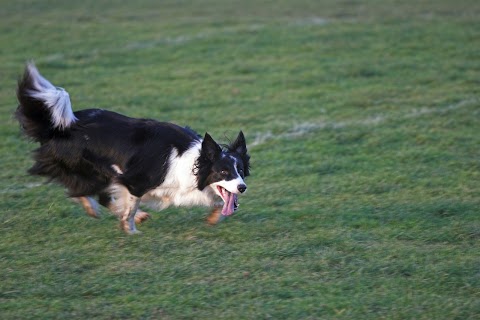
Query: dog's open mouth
<point x="230" y="201"/>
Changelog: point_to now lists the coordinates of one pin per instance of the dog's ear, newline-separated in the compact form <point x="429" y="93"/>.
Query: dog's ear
<point x="210" y="148"/>
<point x="239" y="145"/>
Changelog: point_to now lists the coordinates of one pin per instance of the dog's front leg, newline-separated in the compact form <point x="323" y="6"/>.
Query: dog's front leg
<point x="124" y="206"/>
<point x="216" y="215"/>
<point x="128" y="217"/>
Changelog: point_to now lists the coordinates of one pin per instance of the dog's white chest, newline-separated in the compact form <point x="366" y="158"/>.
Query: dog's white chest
<point x="179" y="187"/>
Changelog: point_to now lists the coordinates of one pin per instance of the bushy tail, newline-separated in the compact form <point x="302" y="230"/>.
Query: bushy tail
<point x="43" y="108"/>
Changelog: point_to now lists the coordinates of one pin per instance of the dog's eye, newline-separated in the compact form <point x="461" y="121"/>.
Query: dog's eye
<point x="224" y="172"/>
<point x="240" y="171"/>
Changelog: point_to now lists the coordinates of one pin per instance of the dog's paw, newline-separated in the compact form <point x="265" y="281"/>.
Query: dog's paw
<point x="89" y="205"/>
<point x="215" y="217"/>
<point x="141" y="216"/>
<point x="132" y="232"/>
<point x="128" y="229"/>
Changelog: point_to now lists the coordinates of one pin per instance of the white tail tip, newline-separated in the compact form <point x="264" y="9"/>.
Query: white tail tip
<point x="56" y="99"/>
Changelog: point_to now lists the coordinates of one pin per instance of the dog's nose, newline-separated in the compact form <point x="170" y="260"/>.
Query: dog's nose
<point x="242" y="188"/>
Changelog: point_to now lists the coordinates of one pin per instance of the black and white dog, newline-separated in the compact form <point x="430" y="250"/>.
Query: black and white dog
<point x="121" y="161"/>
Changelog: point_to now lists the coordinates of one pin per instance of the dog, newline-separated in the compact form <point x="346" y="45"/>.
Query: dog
<point x="123" y="161"/>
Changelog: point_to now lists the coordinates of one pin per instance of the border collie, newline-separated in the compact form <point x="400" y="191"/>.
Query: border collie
<point x="121" y="161"/>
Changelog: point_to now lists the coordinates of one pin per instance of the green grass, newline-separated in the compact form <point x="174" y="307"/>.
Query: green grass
<point x="362" y="119"/>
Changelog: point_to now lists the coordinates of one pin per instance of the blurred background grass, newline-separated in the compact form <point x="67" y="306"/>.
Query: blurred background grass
<point x="362" y="121"/>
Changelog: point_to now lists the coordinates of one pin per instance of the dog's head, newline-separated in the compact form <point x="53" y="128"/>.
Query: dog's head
<point x="224" y="170"/>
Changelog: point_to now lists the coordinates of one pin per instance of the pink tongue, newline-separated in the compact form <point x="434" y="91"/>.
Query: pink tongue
<point x="229" y="203"/>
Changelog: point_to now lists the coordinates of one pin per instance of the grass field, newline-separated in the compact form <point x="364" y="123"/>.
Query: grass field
<point x="363" y="124"/>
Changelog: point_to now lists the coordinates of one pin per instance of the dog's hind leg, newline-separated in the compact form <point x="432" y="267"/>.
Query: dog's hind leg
<point x="89" y="205"/>
<point x="124" y="205"/>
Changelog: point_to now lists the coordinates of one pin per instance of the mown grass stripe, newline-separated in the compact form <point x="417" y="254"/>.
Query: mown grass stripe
<point x="302" y="129"/>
